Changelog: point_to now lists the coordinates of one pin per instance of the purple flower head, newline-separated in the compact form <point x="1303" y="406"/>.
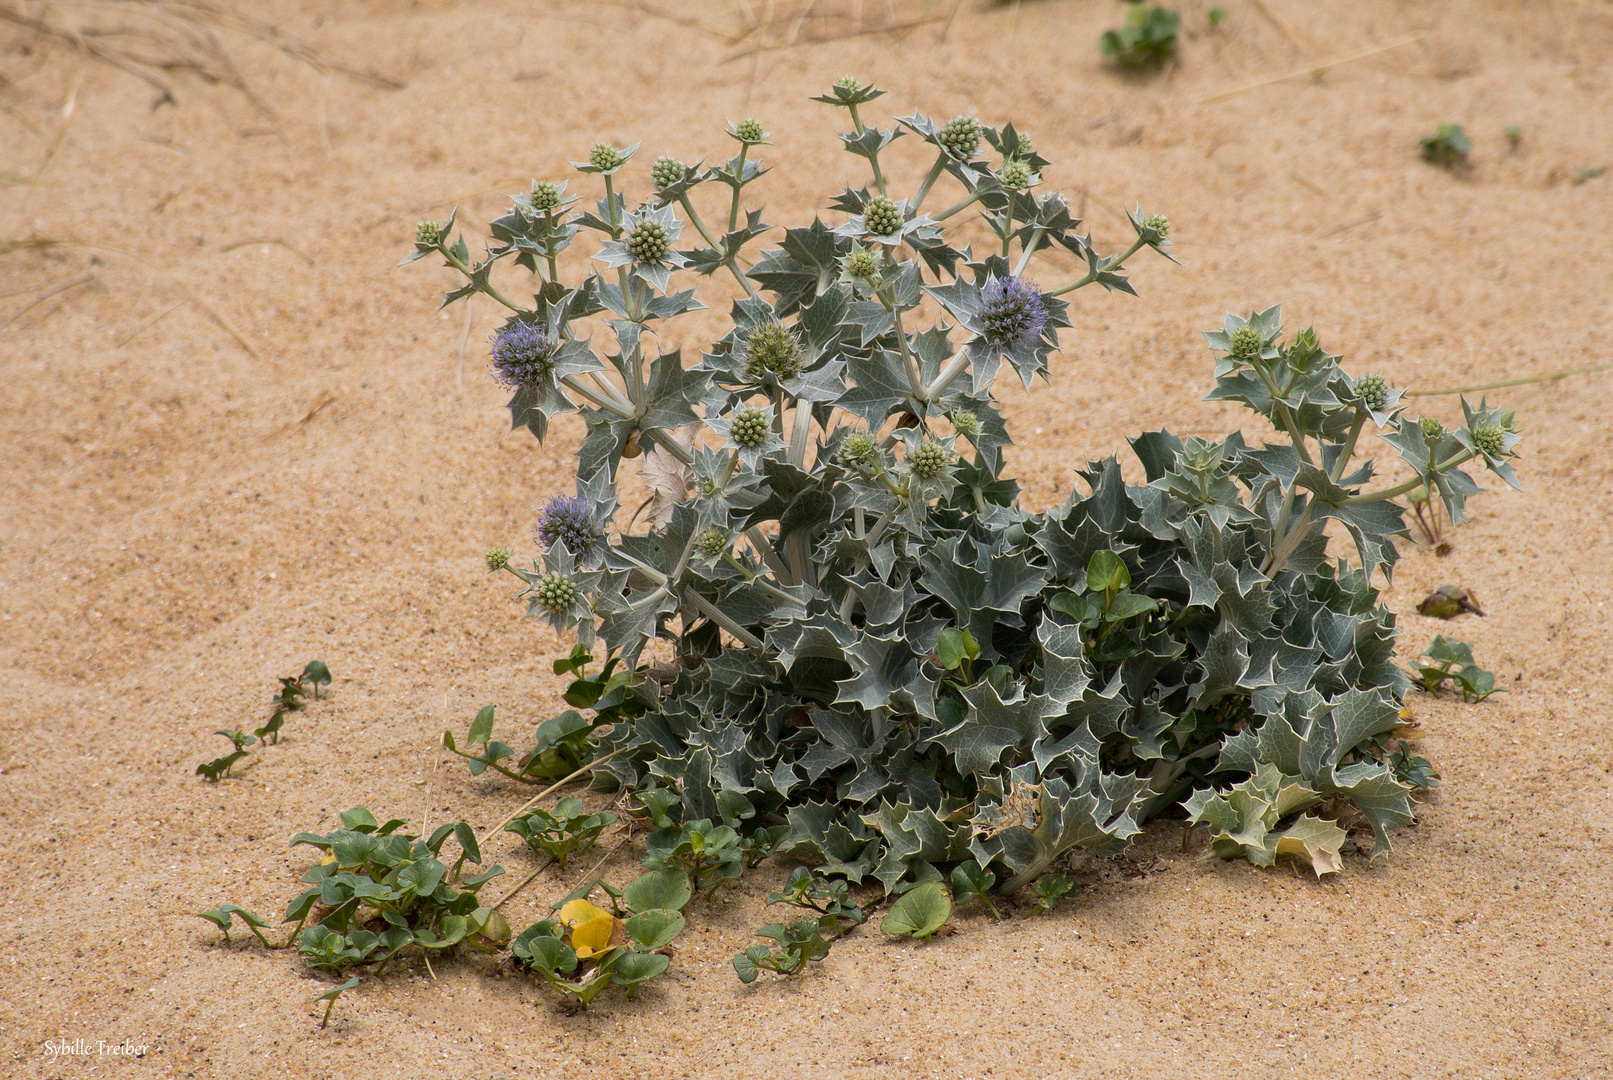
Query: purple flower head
<point x="523" y="354"/>
<point x="1012" y="312"/>
<point x="570" y="519"/>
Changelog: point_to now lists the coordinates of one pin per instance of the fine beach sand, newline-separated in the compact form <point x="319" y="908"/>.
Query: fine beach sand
<point x="181" y="521"/>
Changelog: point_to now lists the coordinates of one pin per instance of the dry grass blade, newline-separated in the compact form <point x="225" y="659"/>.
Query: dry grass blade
<point x="91" y="49"/>
<point x="149" y="323"/>
<point x="280" y="241"/>
<point x="54" y="290"/>
<point x="1311" y="69"/>
<point x="293" y="47"/>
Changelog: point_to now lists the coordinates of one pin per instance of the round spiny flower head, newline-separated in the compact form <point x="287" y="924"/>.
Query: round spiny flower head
<point x="749" y="130"/>
<point x="1433" y="430"/>
<point x="1490" y="440"/>
<point x="497" y="558"/>
<point x="749" y="428"/>
<point x="569" y="520"/>
<point x="1026" y="147"/>
<point x="428" y="233"/>
<point x="961" y="136"/>
<point x="604" y="156"/>
<point x="858" y="449"/>
<point x="1158" y="223"/>
<point x="1016" y="174"/>
<point x="1012" y="312"/>
<point x="647" y="242"/>
<point x="555" y="591"/>
<point x="1373" y="390"/>
<point x="1247" y="343"/>
<point x="860" y="263"/>
<point x="882" y="217"/>
<point x="966" y="423"/>
<point x="928" y="460"/>
<point x="544" y="196"/>
<point x="666" y="171"/>
<point x="713" y="543"/>
<point x="523" y="354"/>
<point x="849" y="82"/>
<point x="772" y="349"/>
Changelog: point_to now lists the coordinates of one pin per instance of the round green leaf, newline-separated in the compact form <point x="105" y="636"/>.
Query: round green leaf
<point x="668" y="889"/>
<point x="919" y="913"/>
<point x="654" y="928"/>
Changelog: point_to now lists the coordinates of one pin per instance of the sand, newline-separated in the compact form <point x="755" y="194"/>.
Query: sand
<point x="184" y="520"/>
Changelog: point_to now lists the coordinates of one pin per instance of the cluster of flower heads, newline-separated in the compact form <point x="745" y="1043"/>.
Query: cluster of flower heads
<point x="524" y="353"/>
<point x="1012" y="312"/>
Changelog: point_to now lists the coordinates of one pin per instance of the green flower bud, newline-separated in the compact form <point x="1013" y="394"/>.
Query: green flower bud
<point x="849" y="82"/>
<point x="928" y="460"/>
<point x="604" y="157"/>
<point x="1373" y="390"/>
<point x="1247" y="343"/>
<point x="882" y="217"/>
<point x="647" y="242"/>
<point x="858" y="449"/>
<point x="961" y="136"/>
<point x="967" y="423"/>
<point x="772" y="349"/>
<point x="428" y="233"/>
<point x="555" y="592"/>
<point x="860" y="263"/>
<point x="713" y="543"/>
<point x="706" y="486"/>
<point x="1026" y="147"/>
<point x="749" y="428"/>
<point x="545" y="196"/>
<point x="1490" y="440"/>
<point x="749" y="131"/>
<point x="1016" y="175"/>
<point x="1433" y="431"/>
<point x="666" y="171"/>
<point x="1158" y="223"/>
<point x="497" y="558"/>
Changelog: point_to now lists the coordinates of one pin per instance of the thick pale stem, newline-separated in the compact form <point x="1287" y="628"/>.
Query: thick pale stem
<point x="929" y="182"/>
<point x="1401" y="489"/>
<point x="800" y="430"/>
<point x="957" y="208"/>
<point x="739" y="184"/>
<point x="711" y="241"/>
<point x="954" y="367"/>
<point x="710" y="611"/>
<point x="669" y="444"/>
<point x="1029" y="250"/>
<point x="622" y="409"/>
<point x="488" y="289"/>
<point x="1343" y="463"/>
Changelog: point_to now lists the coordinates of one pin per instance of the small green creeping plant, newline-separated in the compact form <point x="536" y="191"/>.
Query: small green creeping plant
<point x="288" y="699"/>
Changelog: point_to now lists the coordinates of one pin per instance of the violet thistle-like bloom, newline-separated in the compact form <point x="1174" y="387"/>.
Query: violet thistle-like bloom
<point x="570" y="520"/>
<point x="1012" y="312"/>
<point x="523" y="354"/>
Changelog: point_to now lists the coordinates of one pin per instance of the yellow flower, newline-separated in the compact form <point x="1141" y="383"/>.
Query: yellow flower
<point x="591" y="928"/>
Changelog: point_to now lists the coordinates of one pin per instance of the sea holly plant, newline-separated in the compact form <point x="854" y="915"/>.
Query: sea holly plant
<point x="840" y="635"/>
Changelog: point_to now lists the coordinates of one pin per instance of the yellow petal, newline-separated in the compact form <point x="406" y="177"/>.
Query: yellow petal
<point x="592" y="937"/>
<point x="577" y="912"/>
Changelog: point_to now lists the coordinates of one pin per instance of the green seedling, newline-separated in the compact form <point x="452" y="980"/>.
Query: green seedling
<point x="1050" y="889"/>
<point x="794" y="947"/>
<point x="711" y="855"/>
<point x="829" y="898"/>
<point x="288" y="699"/>
<point x="219" y="768"/>
<point x="331" y="996"/>
<point x="1146" y="39"/>
<point x="972" y="882"/>
<point x="1216" y="16"/>
<point x="1514" y="135"/>
<point x="221" y="918"/>
<point x="562" y="833"/>
<point x="1451" y="660"/>
<point x="1446" y="147"/>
